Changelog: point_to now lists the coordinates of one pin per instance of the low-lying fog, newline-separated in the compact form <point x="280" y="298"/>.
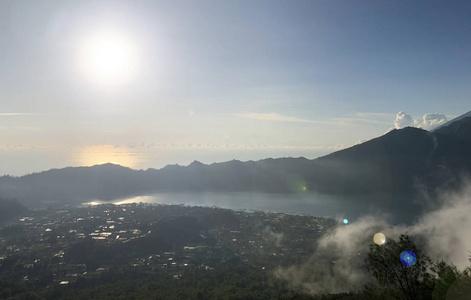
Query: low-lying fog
<point x="443" y="234"/>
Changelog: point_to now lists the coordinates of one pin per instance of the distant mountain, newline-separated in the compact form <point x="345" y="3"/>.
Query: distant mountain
<point x="399" y="165"/>
<point x="466" y="115"/>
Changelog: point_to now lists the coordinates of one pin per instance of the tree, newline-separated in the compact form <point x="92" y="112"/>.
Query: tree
<point x="402" y="282"/>
<point x="451" y="283"/>
<point x="446" y="276"/>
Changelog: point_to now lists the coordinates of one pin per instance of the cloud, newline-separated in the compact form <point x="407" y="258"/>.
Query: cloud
<point x="448" y="229"/>
<point x="29" y="128"/>
<point x="275" y="238"/>
<point x="15" y="148"/>
<point x="403" y="120"/>
<point x="358" y="120"/>
<point x="194" y="145"/>
<point x="374" y="115"/>
<point x="373" y="118"/>
<point x="431" y="121"/>
<point x="337" y="265"/>
<point x="428" y="122"/>
<point x="338" y="262"/>
<point x="16" y="114"/>
<point x="277" y="118"/>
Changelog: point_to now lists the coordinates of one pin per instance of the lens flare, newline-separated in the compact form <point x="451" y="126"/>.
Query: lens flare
<point x="408" y="258"/>
<point x="379" y="238"/>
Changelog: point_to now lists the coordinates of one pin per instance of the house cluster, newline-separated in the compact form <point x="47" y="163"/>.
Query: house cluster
<point x="39" y="246"/>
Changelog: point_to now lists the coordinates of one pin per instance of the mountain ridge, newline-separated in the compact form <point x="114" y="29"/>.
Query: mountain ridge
<point x="465" y="115"/>
<point x="400" y="164"/>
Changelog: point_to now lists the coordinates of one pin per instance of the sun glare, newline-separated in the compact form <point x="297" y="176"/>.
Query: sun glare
<point x="108" y="58"/>
<point x="102" y="154"/>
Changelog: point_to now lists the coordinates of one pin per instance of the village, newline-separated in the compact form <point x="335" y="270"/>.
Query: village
<point x="48" y="247"/>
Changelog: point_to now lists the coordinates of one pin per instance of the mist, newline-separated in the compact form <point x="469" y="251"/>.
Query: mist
<point x="338" y="265"/>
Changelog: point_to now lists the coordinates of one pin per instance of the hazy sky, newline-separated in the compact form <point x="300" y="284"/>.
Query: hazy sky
<point x="150" y="83"/>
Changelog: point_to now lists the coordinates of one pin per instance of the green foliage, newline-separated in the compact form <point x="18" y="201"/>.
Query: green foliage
<point x="446" y="276"/>
<point x="424" y="280"/>
<point x="451" y="283"/>
<point x="223" y="282"/>
<point x="401" y="282"/>
<point x="14" y="290"/>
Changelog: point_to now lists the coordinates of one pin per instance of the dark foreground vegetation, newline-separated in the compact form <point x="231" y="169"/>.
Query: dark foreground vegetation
<point x="139" y="251"/>
<point x="423" y="280"/>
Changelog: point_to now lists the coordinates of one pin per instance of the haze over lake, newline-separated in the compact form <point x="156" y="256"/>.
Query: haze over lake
<point x="311" y="204"/>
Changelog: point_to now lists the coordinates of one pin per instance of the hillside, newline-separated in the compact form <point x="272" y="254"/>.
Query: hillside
<point x="401" y="162"/>
<point x="10" y="208"/>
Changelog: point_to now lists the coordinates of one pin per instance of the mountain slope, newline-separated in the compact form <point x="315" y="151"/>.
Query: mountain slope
<point x="395" y="164"/>
<point x="461" y="128"/>
<point x="466" y="115"/>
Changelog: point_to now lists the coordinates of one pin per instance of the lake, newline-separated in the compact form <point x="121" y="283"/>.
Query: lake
<point x="299" y="204"/>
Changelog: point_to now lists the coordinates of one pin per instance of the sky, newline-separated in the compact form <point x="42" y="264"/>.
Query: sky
<point x="150" y="83"/>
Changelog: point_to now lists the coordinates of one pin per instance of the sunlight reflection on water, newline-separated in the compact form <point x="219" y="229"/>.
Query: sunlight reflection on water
<point x="299" y="204"/>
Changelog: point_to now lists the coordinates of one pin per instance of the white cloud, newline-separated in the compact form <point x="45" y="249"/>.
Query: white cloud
<point x="358" y="120"/>
<point x="431" y="121"/>
<point x="277" y="117"/>
<point x="372" y="118"/>
<point x="428" y="122"/>
<point x="252" y="146"/>
<point x="374" y="115"/>
<point x="15" y="114"/>
<point x="403" y="120"/>
<point x="337" y="264"/>
<point x="448" y="229"/>
<point x="29" y="128"/>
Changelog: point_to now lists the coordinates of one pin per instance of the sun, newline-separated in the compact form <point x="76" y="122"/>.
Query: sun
<point x="108" y="58"/>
